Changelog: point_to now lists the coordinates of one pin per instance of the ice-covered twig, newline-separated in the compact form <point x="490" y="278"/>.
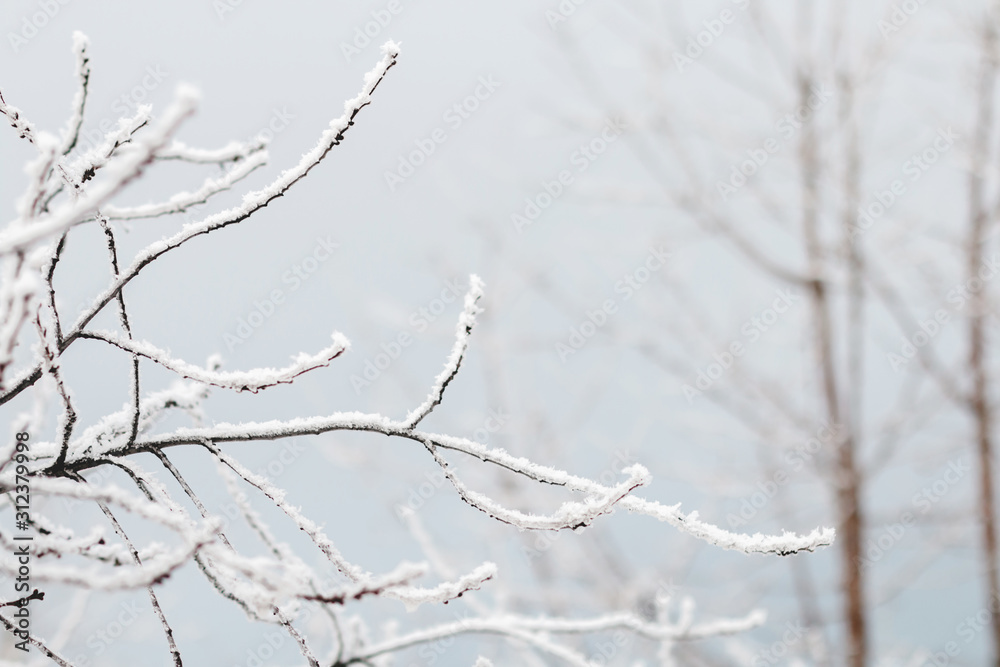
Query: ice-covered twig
<point x="470" y="626"/>
<point x="182" y="201"/>
<point x="463" y="330"/>
<point x="38" y="170"/>
<point x="785" y="544"/>
<point x="253" y="380"/>
<point x="252" y="202"/>
<point x="154" y="602"/>
<point x="782" y="545"/>
<point x="50" y="287"/>
<point x="684" y="629"/>
<point x="129" y="165"/>
<point x="68" y="417"/>
<point x="72" y="131"/>
<point x="377" y="586"/>
<point x="277" y="496"/>
<point x="24" y="128"/>
<point x="182" y="395"/>
<point x="18" y="292"/>
<point x="136" y="402"/>
<point x="571" y="515"/>
<point x="537" y="631"/>
<point x="85" y="166"/>
<point x="153" y="570"/>
<point x="280" y="550"/>
<point x="231" y="152"/>
<point x="449" y="590"/>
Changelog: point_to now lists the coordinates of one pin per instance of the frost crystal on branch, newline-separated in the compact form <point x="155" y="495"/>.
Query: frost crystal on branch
<point x="67" y="189"/>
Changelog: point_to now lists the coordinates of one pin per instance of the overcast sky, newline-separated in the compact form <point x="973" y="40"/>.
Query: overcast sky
<point x="491" y="107"/>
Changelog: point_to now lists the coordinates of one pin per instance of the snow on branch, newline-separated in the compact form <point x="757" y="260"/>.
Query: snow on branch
<point x="783" y="545"/>
<point x="414" y="597"/>
<point x="234" y="151"/>
<point x="24" y="128"/>
<point x="253" y="380"/>
<point x="184" y="200"/>
<point x="72" y="131"/>
<point x="129" y="166"/>
<point x="153" y="570"/>
<point x="270" y="587"/>
<point x="85" y="166"/>
<point x="401" y="576"/>
<point x="185" y="396"/>
<point x="570" y="515"/>
<point x="538" y="632"/>
<point x="252" y="201"/>
<point x="602" y="498"/>
<point x="463" y="331"/>
<point x="309" y="527"/>
<point x="683" y="629"/>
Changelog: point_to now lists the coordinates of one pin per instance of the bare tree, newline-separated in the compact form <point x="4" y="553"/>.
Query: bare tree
<point x="809" y="202"/>
<point x="67" y="189"/>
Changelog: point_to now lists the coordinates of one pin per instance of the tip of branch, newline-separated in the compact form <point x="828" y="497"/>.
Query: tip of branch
<point x="476" y="284"/>
<point x="341" y="340"/>
<point x="391" y="48"/>
<point x="80" y="41"/>
<point x="187" y="96"/>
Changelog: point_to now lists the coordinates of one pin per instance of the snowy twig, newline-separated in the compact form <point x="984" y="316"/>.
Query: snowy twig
<point x="252" y="202"/>
<point x="234" y="151"/>
<point x="463" y="330"/>
<point x="185" y="200"/>
<point x="783" y="545"/>
<point x="136" y="403"/>
<point x="130" y="165"/>
<point x="252" y="380"/>
<point x="72" y="132"/>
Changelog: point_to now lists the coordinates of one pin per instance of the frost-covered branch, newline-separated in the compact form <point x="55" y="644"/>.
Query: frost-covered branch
<point x="182" y="201"/>
<point x="462" y="333"/>
<point x="253" y="380"/>
<point x="19" y="236"/>
<point x="234" y="151"/>
<point x="538" y="631"/>
<point x="67" y="187"/>
<point x="72" y="131"/>
<point x="785" y="544"/>
<point x="252" y="202"/>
